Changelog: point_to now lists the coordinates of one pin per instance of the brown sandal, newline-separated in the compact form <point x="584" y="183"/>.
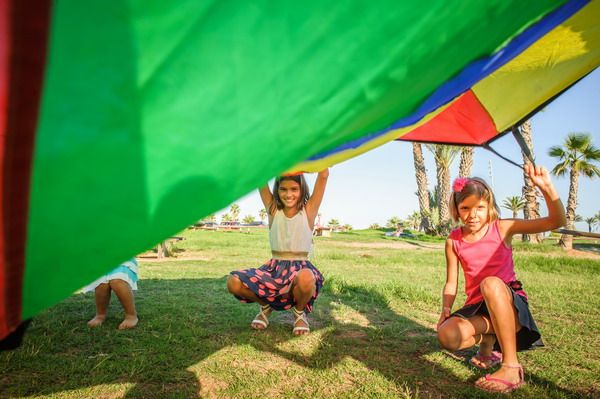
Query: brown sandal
<point x="300" y="315"/>
<point x="262" y="318"/>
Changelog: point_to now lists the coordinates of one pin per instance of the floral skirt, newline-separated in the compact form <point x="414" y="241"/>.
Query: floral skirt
<point x="272" y="282"/>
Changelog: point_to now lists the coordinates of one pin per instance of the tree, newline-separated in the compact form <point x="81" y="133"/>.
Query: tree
<point x="422" y="188"/>
<point x="262" y="214"/>
<point x="591" y="221"/>
<point x="248" y="219"/>
<point x="466" y="161"/>
<point x="435" y="214"/>
<point x="212" y="218"/>
<point x="226" y="217"/>
<point x="346" y="227"/>
<point x="374" y="226"/>
<point x="334" y="224"/>
<point x="393" y="222"/>
<point x="576" y="157"/>
<point x="444" y="157"/>
<point x="234" y="211"/>
<point x="415" y="220"/>
<point x="531" y="210"/>
<point x="514" y="204"/>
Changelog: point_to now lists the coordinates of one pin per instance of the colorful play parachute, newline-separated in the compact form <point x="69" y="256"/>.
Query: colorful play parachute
<point x="121" y="122"/>
<point x="497" y="92"/>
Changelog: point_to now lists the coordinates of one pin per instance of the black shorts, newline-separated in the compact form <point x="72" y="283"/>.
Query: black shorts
<point x="528" y="337"/>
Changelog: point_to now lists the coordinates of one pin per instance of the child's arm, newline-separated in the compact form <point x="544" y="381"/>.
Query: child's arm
<point x="556" y="211"/>
<point x="267" y="198"/>
<point x="449" y="293"/>
<point x="314" y="202"/>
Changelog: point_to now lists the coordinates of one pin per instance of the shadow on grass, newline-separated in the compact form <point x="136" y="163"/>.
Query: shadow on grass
<point x="587" y="247"/>
<point x="185" y="321"/>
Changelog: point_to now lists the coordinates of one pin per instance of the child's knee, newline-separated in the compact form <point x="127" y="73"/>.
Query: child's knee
<point x="102" y="288"/>
<point x="305" y="279"/>
<point x="234" y="284"/>
<point x="449" y="337"/>
<point x="117" y="284"/>
<point x="492" y="286"/>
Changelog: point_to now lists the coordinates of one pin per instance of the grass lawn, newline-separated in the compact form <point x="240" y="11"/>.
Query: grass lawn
<point x="373" y="329"/>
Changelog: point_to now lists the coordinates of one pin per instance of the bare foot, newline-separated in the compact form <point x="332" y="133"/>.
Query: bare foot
<point x="130" y="321"/>
<point x="97" y="320"/>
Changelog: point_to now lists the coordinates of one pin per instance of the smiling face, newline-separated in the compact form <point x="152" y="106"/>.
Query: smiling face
<point x="473" y="212"/>
<point x="289" y="193"/>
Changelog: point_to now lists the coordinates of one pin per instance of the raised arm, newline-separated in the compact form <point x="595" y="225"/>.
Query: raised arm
<point x="314" y="202"/>
<point x="267" y="198"/>
<point x="556" y="211"/>
<point x="450" y="288"/>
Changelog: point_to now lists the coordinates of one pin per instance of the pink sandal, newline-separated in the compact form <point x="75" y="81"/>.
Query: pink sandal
<point x="493" y="359"/>
<point x="508" y="386"/>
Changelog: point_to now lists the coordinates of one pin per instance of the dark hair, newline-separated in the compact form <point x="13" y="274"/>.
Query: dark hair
<point x="304" y="191"/>
<point x="478" y="187"/>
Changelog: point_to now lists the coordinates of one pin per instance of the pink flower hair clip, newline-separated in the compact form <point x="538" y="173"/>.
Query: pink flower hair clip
<point x="459" y="184"/>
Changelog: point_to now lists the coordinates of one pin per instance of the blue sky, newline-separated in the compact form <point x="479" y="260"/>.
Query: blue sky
<point x="381" y="183"/>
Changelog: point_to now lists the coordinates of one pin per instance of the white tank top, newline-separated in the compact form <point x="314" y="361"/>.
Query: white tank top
<point x="290" y="234"/>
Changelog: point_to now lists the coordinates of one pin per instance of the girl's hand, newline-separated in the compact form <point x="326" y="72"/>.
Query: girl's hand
<point x="324" y="173"/>
<point x="539" y="176"/>
<point x="445" y="314"/>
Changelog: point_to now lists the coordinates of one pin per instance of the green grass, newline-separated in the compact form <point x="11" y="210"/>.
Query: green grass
<point x="372" y="336"/>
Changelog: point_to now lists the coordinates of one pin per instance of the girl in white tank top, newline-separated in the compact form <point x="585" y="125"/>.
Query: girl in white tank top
<point x="288" y="281"/>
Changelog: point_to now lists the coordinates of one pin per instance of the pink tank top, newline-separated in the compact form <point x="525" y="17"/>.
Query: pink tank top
<point x="490" y="256"/>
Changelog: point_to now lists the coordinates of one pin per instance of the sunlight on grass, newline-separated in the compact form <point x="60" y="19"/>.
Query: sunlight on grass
<point x="372" y="329"/>
<point x="347" y="315"/>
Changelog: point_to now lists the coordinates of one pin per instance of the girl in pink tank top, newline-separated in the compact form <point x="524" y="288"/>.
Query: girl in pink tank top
<point x="496" y="313"/>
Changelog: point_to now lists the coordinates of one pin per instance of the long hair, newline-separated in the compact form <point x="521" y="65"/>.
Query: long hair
<point x="304" y="190"/>
<point x="465" y="187"/>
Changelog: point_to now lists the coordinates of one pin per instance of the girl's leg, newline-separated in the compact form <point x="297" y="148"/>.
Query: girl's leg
<point x="125" y="295"/>
<point x="457" y="333"/>
<point x="303" y="289"/>
<point x="505" y="322"/>
<point x="102" y="298"/>
<point x="236" y="287"/>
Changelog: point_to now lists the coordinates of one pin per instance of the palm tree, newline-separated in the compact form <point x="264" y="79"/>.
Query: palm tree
<point x="393" y="222"/>
<point x="444" y="156"/>
<point x="262" y="214"/>
<point x="374" y="226"/>
<point x="531" y="210"/>
<point x="234" y="211"/>
<point x="466" y="161"/>
<point x="210" y="218"/>
<point x="248" y="219"/>
<point x="415" y="220"/>
<point x="334" y="224"/>
<point x="577" y="156"/>
<point x="422" y="188"/>
<point x="347" y="227"/>
<point x="435" y="214"/>
<point x="514" y="204"/>
<point x="591" y="221"/>
<point x="226" y="218"/>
